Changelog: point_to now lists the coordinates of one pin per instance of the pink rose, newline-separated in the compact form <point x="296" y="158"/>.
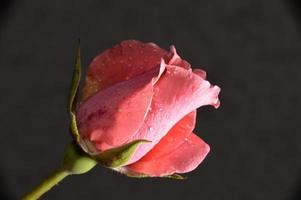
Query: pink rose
<point x="137" y="91"/>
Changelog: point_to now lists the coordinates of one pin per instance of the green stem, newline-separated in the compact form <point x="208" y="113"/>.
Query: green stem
<point x="46" y="185"/>
<point x="75" y="162"/>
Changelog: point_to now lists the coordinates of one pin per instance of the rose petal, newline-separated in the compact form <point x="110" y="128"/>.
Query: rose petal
<point x="176" y="135"/>
<point x="177" y="93"/>
<point x="122" y="62"/>
<point x="174" y="59"/>
<point x="114" y="114"/>
<point x="200" y="72"/>
<point x="179" y="151"/>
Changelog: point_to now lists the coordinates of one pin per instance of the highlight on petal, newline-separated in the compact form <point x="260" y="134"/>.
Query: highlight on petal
<point x="177" y="93"/>
<point x="161" y="71"/>
<point x="111" y="116"/>
<point x="122" y="62"/>
<point x="180" y="151"/>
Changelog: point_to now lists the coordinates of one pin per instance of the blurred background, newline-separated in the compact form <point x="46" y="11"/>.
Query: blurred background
<point x="250" y="48"/>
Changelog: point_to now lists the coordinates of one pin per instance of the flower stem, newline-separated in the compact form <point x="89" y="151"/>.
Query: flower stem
<point x="75" y="161"/>
<point x="46" y="185"/>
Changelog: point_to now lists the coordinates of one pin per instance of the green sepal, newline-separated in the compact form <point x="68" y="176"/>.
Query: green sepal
<point x="72" y="94"/>
<point x="133" y="174"/>
<point x="138" y="176"/>
<point x="118" y="156"/>
<point x="175" y="176"/>
<point x="141" y="175"/>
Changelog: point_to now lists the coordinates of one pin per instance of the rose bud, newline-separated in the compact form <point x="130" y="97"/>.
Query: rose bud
<point x="136" y="115"/>
<point x="138" y="110"/>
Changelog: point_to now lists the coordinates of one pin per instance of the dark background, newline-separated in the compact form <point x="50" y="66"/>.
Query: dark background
<point x="250" y="48"/>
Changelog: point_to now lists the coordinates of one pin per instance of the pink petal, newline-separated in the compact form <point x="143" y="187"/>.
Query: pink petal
<point x="200" y="72"/>
<point x="177" y="93"/>
<point x="179" y="151"/>
<point x="185" y="158"/>
<point x="111" y="116"/>
<point x="122" y="62"/>
<point x="175" y="136"/>
<point x="174" y="59"/>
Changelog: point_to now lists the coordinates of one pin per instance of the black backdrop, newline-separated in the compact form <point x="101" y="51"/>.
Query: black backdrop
<point x="250" y="48"/>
